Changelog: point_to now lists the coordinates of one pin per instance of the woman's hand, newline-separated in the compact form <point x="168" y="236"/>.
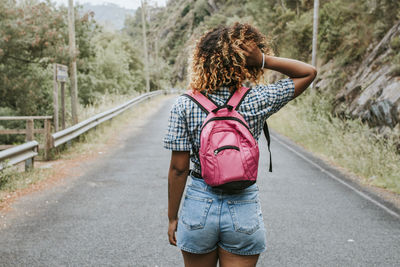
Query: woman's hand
<point x="301" y="73"/>
<point x="173" y="225"/>
<point x="252" y="53"/>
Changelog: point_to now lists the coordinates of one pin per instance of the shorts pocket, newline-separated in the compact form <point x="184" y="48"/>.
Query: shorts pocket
<point x="194" y="211"/>
<point x="245" y="215"/>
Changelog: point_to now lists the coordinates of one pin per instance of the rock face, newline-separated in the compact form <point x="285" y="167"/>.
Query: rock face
<point x="373" y="92"/>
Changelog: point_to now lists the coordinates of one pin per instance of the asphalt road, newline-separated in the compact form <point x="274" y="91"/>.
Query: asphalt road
<point x="115" y="213"/>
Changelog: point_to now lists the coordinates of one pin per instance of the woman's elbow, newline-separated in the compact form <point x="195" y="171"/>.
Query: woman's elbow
<point x="179" y="171"/>
<point x="312" y="73"/>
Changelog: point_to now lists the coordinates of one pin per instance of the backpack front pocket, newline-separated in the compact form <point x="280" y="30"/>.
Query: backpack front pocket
<point x="229" y="162"/>
<point x="195" y="211"/>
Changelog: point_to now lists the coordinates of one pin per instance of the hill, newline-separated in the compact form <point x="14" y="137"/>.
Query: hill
<point x="108" y="14"/>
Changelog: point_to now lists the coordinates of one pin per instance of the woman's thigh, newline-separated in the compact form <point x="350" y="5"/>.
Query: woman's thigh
<point x="200" y="260"/>
<point x="227" y="259"/>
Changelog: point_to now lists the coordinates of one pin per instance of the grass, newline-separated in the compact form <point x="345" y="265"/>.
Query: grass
<point x="11" y="179"/>
<point x="347" y="143"/>
<point x="94" y="141"/>
<point x="103" y="103"/>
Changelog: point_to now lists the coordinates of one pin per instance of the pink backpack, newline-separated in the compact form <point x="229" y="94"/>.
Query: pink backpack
<point x="228" y="151"/>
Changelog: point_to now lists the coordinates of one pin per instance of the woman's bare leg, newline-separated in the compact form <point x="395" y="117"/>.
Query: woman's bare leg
<point x="227" y="259"/>
<point x="200" y="260"/>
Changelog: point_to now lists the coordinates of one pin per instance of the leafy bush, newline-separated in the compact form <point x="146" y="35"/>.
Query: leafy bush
<point x="185" y="10"/>
<point x="299" y="37"/>
<point x="395" y="43"/>
<point x="200" y="11"/>
<point x="35" y="35"/>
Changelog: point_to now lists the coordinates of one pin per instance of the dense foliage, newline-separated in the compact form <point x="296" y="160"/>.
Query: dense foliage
<point x="34" y="35"/>
<point x="346" y="28"/>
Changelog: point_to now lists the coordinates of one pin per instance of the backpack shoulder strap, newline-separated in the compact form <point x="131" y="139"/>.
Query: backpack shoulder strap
<point x="201" y="100"/>
<point x="237" y="97"/>
<point x="235" y="101"/>
<point x="268" y="137"/>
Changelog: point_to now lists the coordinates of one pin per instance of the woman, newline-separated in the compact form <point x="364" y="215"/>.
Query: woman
<point x="215" y="224"/>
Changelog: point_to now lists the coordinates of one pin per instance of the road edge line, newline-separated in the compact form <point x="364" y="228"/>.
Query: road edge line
<point x="279" y="138"/>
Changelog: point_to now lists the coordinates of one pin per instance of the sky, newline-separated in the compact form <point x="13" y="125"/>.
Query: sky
<point x="131" y="4"/>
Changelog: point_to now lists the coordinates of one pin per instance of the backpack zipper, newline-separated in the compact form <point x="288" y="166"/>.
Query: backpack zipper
<point x="226" y="118"/>
<point x="216" y="151"/>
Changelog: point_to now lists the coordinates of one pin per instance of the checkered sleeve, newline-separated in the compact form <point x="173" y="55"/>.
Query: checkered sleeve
<point x="274" y="96"/>
<point x="177" y="137"/>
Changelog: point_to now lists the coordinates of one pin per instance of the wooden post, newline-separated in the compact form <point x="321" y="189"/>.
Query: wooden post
<point x="55" y="98"/>
<point x="47" y="139"/>
<point x="29" y="130"/>
<point x="62" y="106"/>
<point x="72" y="54"/>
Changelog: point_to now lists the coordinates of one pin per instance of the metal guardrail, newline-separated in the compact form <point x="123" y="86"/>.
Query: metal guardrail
<point x="25" y="152"/>
<point x="72" y="132"/>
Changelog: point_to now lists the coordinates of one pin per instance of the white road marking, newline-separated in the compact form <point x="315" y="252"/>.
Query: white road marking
<point x="388" y="210"/>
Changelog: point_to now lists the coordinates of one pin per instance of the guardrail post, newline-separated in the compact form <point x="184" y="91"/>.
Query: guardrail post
<point x="28" y="164"/>
<point x="47" y="139"/>
<point x="29" y="129"/>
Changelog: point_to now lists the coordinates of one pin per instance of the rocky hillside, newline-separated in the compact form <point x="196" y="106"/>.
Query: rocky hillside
<point x="373" y="92"/>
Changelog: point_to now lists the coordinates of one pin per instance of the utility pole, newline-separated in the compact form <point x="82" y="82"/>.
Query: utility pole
<point x="146" y="55"/>
<point x="157" y="64"/>
<point x="72" y="68"/>
<point x="315" y="35"/>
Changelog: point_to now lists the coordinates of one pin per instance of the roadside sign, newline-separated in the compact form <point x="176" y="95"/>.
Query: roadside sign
<point x="62" y="73"/>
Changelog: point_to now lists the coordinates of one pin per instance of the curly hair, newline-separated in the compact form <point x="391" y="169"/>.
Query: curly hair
<point x="216" y="63"/>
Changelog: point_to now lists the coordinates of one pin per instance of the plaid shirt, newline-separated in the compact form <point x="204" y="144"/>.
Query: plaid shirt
<point x="186" y="118"/>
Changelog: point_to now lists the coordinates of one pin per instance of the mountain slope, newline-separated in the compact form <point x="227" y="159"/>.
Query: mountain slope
<point x="348" y="34"/>
<point x="108" y="14"/>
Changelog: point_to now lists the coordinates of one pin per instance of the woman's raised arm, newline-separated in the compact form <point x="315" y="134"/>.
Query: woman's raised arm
<point x="301" y="73"/>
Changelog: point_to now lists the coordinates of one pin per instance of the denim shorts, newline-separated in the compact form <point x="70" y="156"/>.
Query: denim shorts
<point x="210" y="217"/>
